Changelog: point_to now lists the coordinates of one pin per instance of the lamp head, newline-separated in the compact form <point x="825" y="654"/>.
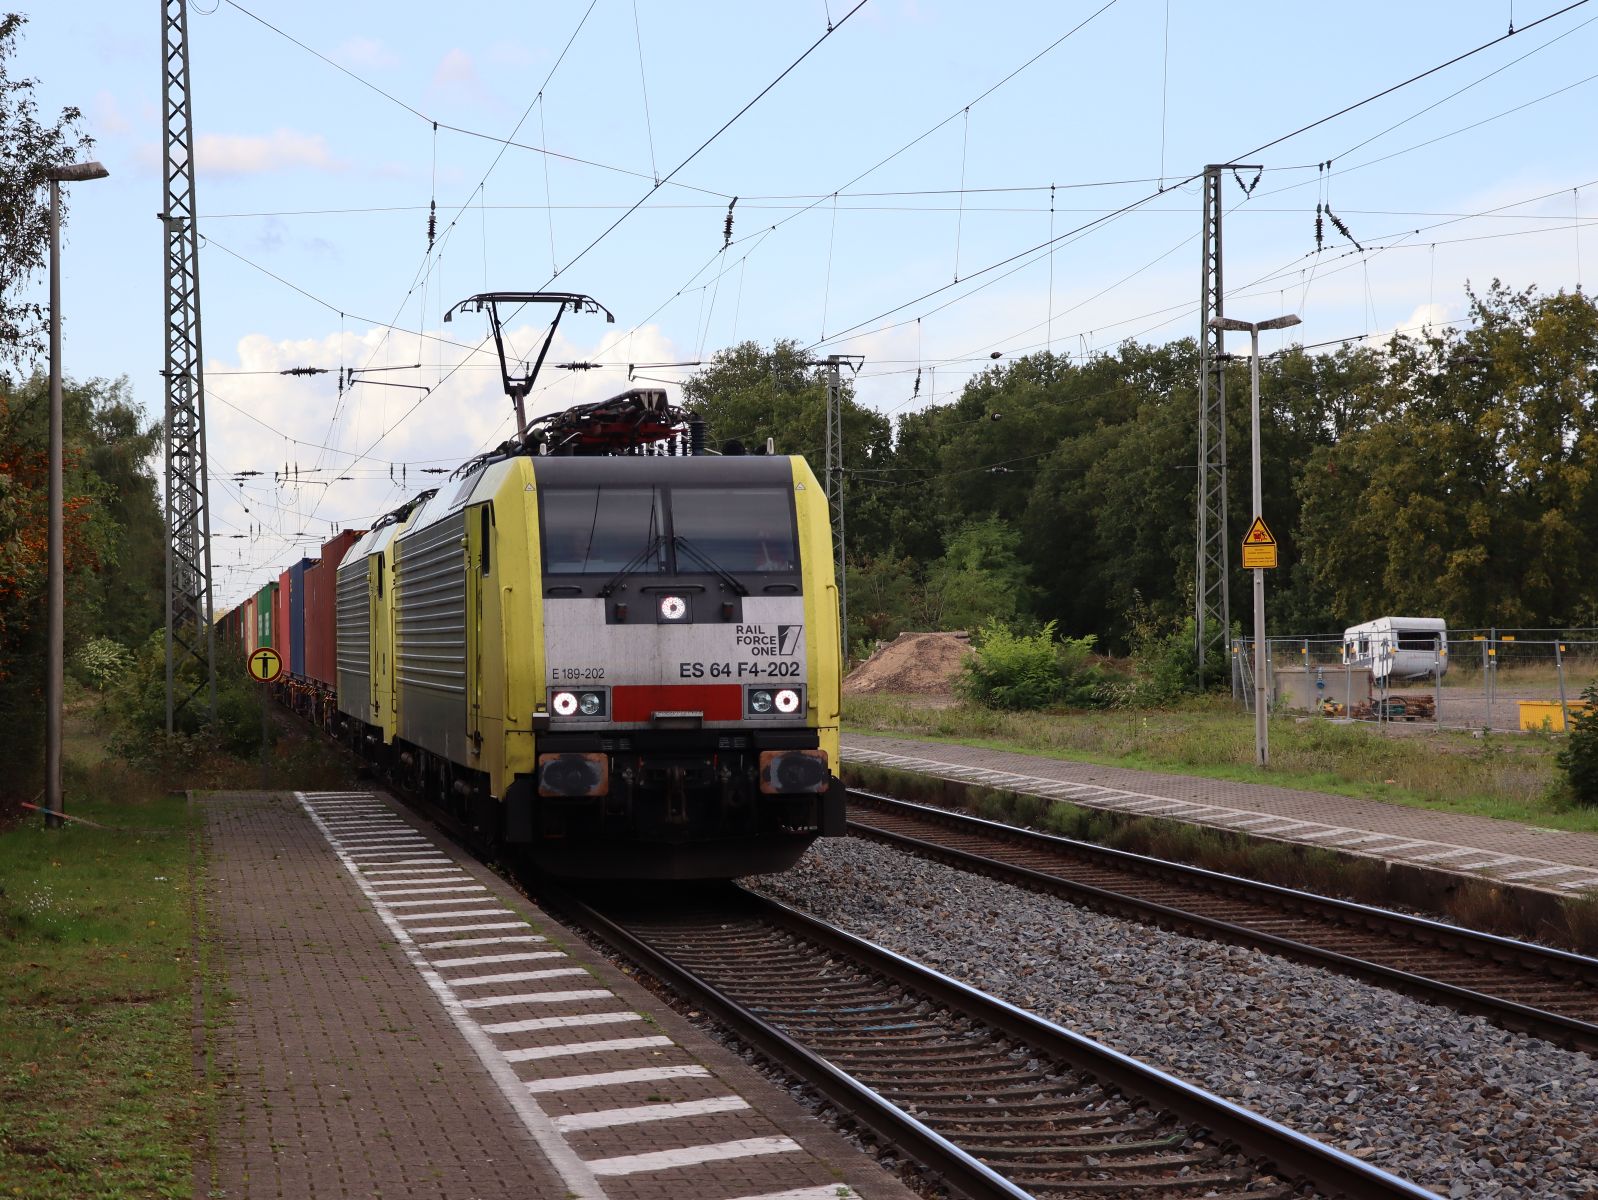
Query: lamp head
<point x="1283" y="322"/>
<point x="77" y="172"/>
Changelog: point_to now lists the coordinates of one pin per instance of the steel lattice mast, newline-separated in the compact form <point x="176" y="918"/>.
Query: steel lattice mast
<point x="190" y="638"/>
<point x="1212" y="610"/>
<point x="834" y="483"/>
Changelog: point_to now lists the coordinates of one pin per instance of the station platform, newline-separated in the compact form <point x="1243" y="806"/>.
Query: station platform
<point x="1552" y="861"/>
<point x="400" y="1022"/>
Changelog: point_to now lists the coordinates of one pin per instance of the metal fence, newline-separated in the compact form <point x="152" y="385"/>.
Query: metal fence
<point x="1490" y="679"/>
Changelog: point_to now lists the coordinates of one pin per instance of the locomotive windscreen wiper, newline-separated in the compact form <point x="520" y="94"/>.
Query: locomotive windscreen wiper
<point x="709" y="564"/>
<point x="633" y="564"/>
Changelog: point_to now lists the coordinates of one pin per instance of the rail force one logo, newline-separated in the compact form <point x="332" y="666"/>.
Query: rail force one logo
<point x="770" y="641"/>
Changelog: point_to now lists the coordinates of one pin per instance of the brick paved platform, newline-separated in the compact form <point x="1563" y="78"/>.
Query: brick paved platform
<point x="1548" y="860"/>
<point x="402" y="1024"/>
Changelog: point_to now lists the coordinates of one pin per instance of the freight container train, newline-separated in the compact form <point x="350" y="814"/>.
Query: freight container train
<point x="598" y="645"/>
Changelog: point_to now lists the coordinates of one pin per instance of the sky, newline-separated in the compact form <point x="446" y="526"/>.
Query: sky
<point x="929" y="184"/>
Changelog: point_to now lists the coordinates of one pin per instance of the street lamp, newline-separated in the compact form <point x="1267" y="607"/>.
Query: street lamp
<point x="54" y="683"/>
<point x="1261" y="734"/>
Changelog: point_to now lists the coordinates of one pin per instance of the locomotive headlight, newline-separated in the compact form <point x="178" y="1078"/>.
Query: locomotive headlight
<point x="564" y="703"/>
<point x="590" y="704"/>
<point x="787" y="701"/>
<point x="760" y="702"/>
<point x="673" y="608"/>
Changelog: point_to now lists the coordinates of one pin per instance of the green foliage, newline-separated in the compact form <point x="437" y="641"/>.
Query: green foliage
<point x="1579" y="759"/>
<point x="28" y="151"/>
<point x="1015" y="671"/>
<point x="1164" y="660"/>
<point x="1454" y="472"/>
<point x="979" y="580"/>
<point x="112" y="535"/>
<point x="100" y="662"/>
<point x="139" y="703"/>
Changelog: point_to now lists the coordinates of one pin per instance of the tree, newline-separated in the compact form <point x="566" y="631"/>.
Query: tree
<point x="979" y="580"/>
<point x="114" y="538"/>
<point x="1470" y="487"/>
<point x="749" y="394"/>
<point x="29" y="149"/>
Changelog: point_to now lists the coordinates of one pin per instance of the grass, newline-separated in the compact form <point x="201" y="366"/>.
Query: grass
<point x="1509" y="777"/>
<point x="98" y="1095"/>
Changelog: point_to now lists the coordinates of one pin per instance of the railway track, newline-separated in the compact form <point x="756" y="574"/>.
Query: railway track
<point x="1551" y="994"/>
<point x="989" y="1100"/>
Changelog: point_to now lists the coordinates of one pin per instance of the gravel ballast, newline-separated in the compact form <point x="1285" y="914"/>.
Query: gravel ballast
<point x="1451" y="1102"/>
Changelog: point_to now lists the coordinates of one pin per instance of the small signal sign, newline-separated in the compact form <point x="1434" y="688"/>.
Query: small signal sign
<point x="1259" y="547"/>
<point x="265" y="664"/>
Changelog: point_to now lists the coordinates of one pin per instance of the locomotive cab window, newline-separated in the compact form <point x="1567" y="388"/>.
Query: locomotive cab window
<point x="600" y="530"/>
<point x="743" y="531"/>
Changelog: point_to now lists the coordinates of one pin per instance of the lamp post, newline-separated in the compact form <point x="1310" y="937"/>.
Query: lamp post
<point x="54" y="684"/>
<point x="1262" y="747"/>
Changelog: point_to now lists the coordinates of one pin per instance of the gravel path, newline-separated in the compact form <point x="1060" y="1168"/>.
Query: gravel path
<point x="1448" y="1101"/>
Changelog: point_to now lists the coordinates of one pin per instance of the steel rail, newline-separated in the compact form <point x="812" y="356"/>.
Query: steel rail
<point x="1556" y="1027"/>
<point x="959" y="1170"/>
<point x="1290" y="1154"/>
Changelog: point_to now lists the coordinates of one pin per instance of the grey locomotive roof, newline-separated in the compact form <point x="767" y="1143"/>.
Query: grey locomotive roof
<point x="701" y="470"/>
<point x="705" y="470"/>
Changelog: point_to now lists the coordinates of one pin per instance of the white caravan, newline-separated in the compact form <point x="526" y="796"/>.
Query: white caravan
<point x="1398" y="647"/>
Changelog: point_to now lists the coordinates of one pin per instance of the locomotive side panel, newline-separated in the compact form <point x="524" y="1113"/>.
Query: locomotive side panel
<point x="820" y="609"/>
<point x="353" y="635"/>
<point x="513" y="626"/>
<point x="430" y="635"/>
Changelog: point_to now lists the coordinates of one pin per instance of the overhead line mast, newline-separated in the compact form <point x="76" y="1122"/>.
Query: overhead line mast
<point x="190" y="637"/>
<point x="1212" y="605"/>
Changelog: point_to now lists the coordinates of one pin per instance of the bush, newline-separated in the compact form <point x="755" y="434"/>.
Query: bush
<point x="1017" y="671"/>
<point x="100" y="662"/>
<point x="1164" y="660"/>
<point x="140" y="706"/>
<point x="1579" y="759"/>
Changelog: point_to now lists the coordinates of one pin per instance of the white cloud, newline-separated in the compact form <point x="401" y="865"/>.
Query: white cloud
<point x="513" y="54"/>
<point x="456" y="67"/>
<point x="365" y="52"/>
<point x="254" y="154"/>
<point x="269" y="422"/>
<point x="105" y="115"/>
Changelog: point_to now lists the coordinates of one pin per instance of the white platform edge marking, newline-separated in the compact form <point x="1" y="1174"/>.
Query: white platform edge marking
<point x="603" y="1046"/>
<point x="423" y="891"/>
<point x="611" y="1117"/>
<point x="515" y="977"/>
<point x="1041" y="785"/>
<point x="580" y="1179"/>
<point x="688" y="1156"/>
<point x="576" y="1083"/>
<point x="539" y="998"/>
<point x="483" y="960"/>
<point x="571" y="1021"/>
<point x="455" y="912"/>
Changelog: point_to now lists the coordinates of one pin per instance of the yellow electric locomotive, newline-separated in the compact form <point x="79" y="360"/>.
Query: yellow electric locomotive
<point x="623" y="660"/>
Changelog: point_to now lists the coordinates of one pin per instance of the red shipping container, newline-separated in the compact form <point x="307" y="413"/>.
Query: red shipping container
<point x="251" y="636"/>
<point x="321" y="598"/>
<point x="280" y="619"/>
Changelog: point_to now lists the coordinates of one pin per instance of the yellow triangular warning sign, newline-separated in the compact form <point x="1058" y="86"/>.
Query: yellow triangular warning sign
<point x="1258" y="535"/>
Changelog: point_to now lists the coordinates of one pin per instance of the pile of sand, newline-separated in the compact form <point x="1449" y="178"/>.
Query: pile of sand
<point x="920" y="664"/>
